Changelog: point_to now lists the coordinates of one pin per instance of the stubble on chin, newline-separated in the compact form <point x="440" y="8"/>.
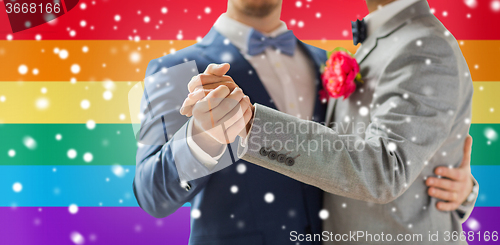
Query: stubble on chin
<point x="259" y="10"/>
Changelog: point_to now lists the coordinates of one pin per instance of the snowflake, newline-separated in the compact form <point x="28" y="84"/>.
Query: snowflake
<point x="495" y="6"/>
<point x="17" y="187"/>
<point x="85" y="104"/>
<point x="72" y="153"/>
<point x="473" y="224"/>
<point x="392" y="147"/>
<point x="77" y="238"/>
<point x="234" y="189"/>
<point x="23" y="69"/>
<point x="241" y="168"/>
<point x="195" y="213"/>
<point x="88" y="157"/>
<point x="90" y="124"/>
<point x="269" y="197"/>
<point x="11" y="153"/>
<point x="118" y="170"/>
<point x="490" y="134"/>
<point x="29" y="142"/>
<point x="471" y="3"/>
<point x="75" y="69"/>
<point x="42" y="103"/>
<point x="324" y="214"/>
<point x="363" y="111"/>
<point x="73" y="209"/>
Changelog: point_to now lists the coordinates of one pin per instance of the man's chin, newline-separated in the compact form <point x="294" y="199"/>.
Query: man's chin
<point x="259" y="10"/>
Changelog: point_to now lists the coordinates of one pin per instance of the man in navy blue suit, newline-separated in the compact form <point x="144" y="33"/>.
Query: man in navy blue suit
<point x="241" y="203"/>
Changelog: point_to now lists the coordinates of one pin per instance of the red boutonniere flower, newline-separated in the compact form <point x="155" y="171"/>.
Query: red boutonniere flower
<point x="339" y="75"/>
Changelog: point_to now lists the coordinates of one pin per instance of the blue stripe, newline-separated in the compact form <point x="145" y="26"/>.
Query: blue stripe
<point x="87" y="186"/>
<point x="487" y="177"/>
<point x="81" y="185"/>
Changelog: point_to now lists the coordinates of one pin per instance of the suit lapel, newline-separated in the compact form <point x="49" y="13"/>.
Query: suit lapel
<point x="241" y="71"/>
<point x="419" y="8"/>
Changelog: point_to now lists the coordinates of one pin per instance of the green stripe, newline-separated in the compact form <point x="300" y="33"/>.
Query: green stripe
<point x="110" y="147"/>
<point x="108" y="143"/>
<point x="484" y="150"/>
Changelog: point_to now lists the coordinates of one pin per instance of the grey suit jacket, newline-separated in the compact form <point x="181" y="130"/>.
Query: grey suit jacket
<point x="411" y="115"/>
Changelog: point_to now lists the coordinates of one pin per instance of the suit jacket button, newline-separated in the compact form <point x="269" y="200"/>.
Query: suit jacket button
<point x="263" y="151"/>
<point x="272" y="155"/>
<point x="281" y="158"/>
<point x="290" y="161"/>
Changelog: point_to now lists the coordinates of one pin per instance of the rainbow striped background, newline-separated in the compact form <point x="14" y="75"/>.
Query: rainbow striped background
<point x="51" y="196"/>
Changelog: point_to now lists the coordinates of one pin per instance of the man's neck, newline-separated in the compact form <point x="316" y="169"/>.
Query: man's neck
<point x="375" y="5"/>
<point x="265" y="24"/>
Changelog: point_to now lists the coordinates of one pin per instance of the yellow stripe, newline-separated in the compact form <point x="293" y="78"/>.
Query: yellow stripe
<point x="114" y="59"/>
<point x="486" y="102"/>
<point x="64" y="102"/>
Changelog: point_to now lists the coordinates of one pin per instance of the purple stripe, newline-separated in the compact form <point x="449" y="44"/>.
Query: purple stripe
<point x="131" y="225"/>
<point x="483" y="220"/>
<point x="97" y="225"/>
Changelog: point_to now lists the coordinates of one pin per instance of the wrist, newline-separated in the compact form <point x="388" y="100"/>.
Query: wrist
<point x="473" y="195"/>
<point x="205" y="141"/>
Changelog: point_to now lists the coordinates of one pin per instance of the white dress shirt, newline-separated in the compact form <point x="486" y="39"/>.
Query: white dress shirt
<point x="289" y="80"/>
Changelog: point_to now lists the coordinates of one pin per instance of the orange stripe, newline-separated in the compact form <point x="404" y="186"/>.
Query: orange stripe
<point x="112" y="59"/>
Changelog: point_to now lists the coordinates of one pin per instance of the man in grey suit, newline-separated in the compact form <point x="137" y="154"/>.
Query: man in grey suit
<point x="411" y="115"/>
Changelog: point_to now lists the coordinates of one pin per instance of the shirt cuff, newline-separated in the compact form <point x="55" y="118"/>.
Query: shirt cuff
<point x="199" y="153"/>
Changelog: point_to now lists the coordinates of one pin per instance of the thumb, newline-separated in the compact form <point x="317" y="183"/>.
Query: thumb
<point x="217" y="69"/>
<point x="467" y="152"/>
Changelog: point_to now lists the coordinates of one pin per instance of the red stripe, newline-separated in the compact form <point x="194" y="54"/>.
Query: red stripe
<point x="335" y="18"/>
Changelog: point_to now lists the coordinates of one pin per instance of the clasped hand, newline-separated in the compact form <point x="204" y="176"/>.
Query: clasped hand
<point x="220" y="109"/>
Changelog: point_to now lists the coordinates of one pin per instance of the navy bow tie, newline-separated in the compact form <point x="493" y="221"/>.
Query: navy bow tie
<point x="285" y="42"/>
<point x="359" y="30"/>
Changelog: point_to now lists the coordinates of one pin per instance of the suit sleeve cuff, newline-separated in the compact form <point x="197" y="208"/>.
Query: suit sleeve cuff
<point x="198" y="153"/>
<point x="464" y="211"/>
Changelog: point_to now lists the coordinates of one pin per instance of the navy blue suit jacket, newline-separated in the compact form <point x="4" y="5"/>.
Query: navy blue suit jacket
<point x="226" y="218"/>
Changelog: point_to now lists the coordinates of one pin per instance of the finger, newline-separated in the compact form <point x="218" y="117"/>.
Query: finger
<point x="217" y="69"/>
<point x="232" y="116"/>
<point x="247" y="117"/>
<point x="442" y="194"/>
<point x="230" y="84"/>
<point x="451" y="173"/>
<point x="190" y="101"/>
<point x="239" y="126"/>
<point x="467" y="152"/>
<point x="192" y="98"/>
<point x="444" y="184"/>
<point x="447" y="206"/>
<point x="222" y="112"/>
<point x="212" y="100"/>
<point x="205" y="79"/>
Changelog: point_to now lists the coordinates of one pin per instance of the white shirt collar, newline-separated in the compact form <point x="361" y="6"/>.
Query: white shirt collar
<point x="237" y="33"/>
<point x="377" y="19"/>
